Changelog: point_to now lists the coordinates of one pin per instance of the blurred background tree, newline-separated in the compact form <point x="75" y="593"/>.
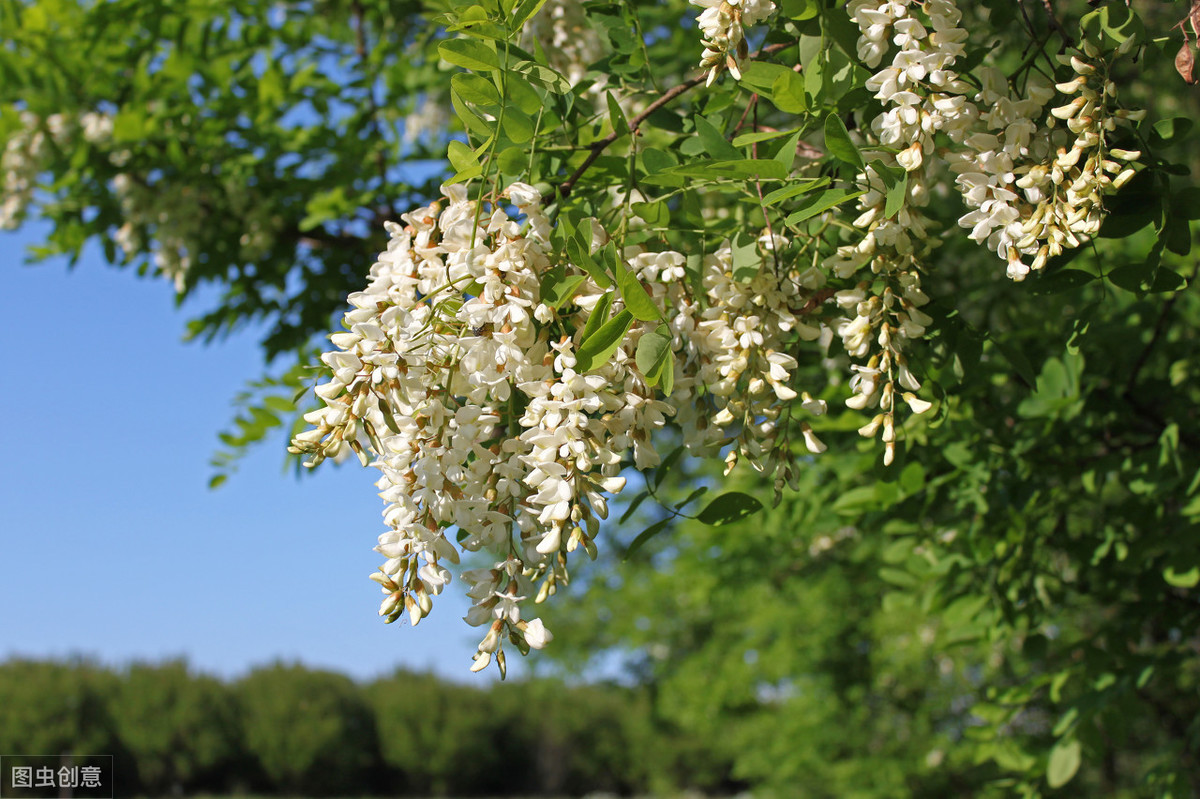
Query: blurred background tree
<point x="311" y="732"/>
<point x="183" y="730"/>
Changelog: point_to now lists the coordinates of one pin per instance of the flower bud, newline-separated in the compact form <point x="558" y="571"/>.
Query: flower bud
<point x="814" y="444"/>
<point x="915" y="403"/>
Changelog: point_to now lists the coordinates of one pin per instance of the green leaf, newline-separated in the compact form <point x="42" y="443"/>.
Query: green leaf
<point x="598" y="348"/>
<point x="742" y="169"/>
<point x="521" y="92"/>
<point x="1187" y="579"/>
<point x="753" y="138"/>
<point x="1167" y="280"/>
<point x="657" y="160"/>
<point x="517" y="125"/>
<point x="633" y="506"/>
<point x="820" y="203"/>
<point x="645" y="536"/>
<point x="1174" y="128"/>
<point x="760" y="76"/>
<point x="838" y="143"/>
<point x="597" y="317"/>
<point x="652" y="350"/>
<point x="471" y="121"/>
<point x="692" y="497"/>
<point x="636" y="299"/>
<point x="1176" y="235"/>
<point x="663" y="468"/>
<point x="794" y="190"/>
<point x="1017" y="360"/>
<point x="713" y="141"/>
<point x="656" y="214"/>
<point x="800" y="10"/>
<point x="1062" y="280"/>
<point x="616" y="116"/>
<point x="523" y="12"/>
<point x="729" y="507"/>
<point x="744" y="256"/>
<point x="896" y="196"/>
<point x="1064" y="762"/>
<point x="469" y="54"/>
<point x="558" y="287"/>
<point x="856" y="501"/>
<point x="814" y="79"/>
<point x="666" y="377"/>
<point x="786" y="154"/>
<point x="480" y="29"/>
<point x="512" y="161"/>
<point x="578" y="249"/>
<point x="464" y="161"/>
<point x="787" y="92"/>
<point x="544" y="76"/>
<point x="1186" y="203"/>
<point x="475" y="89"/>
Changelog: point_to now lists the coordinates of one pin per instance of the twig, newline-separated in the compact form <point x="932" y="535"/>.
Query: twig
<point x="1055" y="25"/>
<point x="1144" y="355"/>
<point x="564" y="189"/>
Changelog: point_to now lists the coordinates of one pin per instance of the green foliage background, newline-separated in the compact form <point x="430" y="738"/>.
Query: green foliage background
<point x="288" y="730"/>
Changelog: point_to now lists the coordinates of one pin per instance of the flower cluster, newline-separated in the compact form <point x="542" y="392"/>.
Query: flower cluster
<point x="1037" y="189"/>
<point x="1033" y="189"/>
<point x="723" y="24"/>
<point x="734" y="345"/>
<point x="922" y="97"/>
<point x="26" y="153"/>
<point x="450" y="375"/>
<point x="164" y="219"/>
<point x="461" y="385"/>
<point x="561" y="29"/>
<point x="170" y="220"/>
<point x="469" y="372"/>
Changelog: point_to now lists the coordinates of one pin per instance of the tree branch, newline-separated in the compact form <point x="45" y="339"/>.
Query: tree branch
<point x="564" y="189"/>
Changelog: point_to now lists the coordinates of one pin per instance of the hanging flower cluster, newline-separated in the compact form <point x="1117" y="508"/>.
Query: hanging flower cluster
<point x="164" y="219"/>
<point x="461" y="383"/>
<point x="922" y="97"/>
<point x="27" y="152"/>
<point x="1033" y="188"/>
<point x="1039" y="189"/>
<point x="561" y="29"/>
<point x="723" y="24"/>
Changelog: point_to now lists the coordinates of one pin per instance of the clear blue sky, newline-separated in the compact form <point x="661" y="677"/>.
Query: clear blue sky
<point x="111" y="544"/>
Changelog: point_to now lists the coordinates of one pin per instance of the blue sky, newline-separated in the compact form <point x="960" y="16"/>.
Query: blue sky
<point x="111" y="543"/>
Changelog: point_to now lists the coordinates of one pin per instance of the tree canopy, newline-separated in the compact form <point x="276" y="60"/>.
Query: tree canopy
<point x="870" y="321"/>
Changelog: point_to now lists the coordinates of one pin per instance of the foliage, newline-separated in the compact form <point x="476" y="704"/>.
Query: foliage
<point x="181" y="729"/>
<point x="289" y="730"/>
<point x="311" y="731"/>
<point x="1009" y="607"/>
<point x="770" y="238"/>
<point x="56" y="708"/>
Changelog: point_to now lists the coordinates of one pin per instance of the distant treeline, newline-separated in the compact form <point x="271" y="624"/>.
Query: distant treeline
<point x="292" y="730"/>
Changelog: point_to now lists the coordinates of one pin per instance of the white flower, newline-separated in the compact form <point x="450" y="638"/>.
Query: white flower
<point x="536" y="634"/>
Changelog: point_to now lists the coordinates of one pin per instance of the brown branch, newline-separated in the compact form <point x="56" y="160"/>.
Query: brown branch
<point x="816" y="300"/>
<point x="564" y="189"/>
<point x="1055" y="25"/>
